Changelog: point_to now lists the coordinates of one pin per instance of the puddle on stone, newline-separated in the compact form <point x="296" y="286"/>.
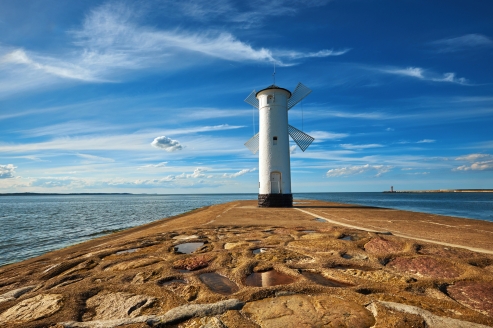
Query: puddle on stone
<point x="259" y="250"/>
<point x="321" y="280"/>
<point x="350" y="238"/>
<point x="218" y="284"/>
<point x="131" y="250"/>
<point x="188" y="248"/>
<point x="165" y="282"/>
<point x="347" y="256"/>
<point x="268" y="278"/>
<point x="320" y="220"/>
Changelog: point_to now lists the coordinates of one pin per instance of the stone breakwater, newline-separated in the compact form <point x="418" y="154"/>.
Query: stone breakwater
<point x="236" y="265"/>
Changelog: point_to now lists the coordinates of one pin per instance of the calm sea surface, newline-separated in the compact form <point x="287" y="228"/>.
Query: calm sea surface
<point x="33" y="225"/>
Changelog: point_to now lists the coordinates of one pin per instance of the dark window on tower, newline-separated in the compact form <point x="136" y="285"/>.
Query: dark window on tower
<point x="274" y="140"/>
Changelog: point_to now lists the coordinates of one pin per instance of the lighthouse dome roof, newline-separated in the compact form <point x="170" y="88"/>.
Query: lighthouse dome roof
<point x="273" y="86"/>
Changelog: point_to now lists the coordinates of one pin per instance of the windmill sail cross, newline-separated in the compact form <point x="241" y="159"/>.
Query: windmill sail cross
<point x="252" y="99"/>
<point x="253" y="144"/>
<point x="302" y="139"/>
<point x="299" y="93"/>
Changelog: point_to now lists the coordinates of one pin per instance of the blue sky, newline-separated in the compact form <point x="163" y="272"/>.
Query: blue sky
<point x="147" y="97"/>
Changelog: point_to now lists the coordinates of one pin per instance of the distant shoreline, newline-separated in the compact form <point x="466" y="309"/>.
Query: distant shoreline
<point x="56" y="194"/>
<point x="437" y="191"/>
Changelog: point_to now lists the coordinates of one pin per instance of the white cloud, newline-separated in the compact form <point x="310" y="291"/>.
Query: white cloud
<point x="323" y="135"/>
<point x="421" y="74"/>
<point x="474" y="157"/>
<point x="462" y="43"/>
<point x="478" y="166"/>
<point x="239" y="173"/>
<point x="426" y="141"/>
<point x="162" y="164"/>
<point x="111" y="43"/>
<point x="450" y="77"/>
<point x="7" y="171"/>
<point x="49" y="65"/>
<point x="410" y="71"/>
<point x="358" y="169"/>
<point x="292" y="149"/>
<point x="479" y="162"/>
<point x="367" y="146"/>
<point x="166" y="143"/>
<point x="291" y="54"/>
<point x="94" y="158"/>
<point x="197" y="173"/>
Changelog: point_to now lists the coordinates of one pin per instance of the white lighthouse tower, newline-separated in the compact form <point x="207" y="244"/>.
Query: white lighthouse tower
<point x="272" y="142"/>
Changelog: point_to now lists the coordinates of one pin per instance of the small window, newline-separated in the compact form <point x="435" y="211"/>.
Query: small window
<point x="270" y="99"/>
<point x="274" y="140"/>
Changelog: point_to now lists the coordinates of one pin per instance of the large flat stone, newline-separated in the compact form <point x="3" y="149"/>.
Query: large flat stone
<point x="308" y="311"/>
<point x="475" y="295"/>
<point x="37" y="307"/>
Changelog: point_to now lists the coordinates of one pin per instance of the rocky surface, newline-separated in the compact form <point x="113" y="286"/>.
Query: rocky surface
<point x="258" y="267"/>
<point x="32" y="309"/>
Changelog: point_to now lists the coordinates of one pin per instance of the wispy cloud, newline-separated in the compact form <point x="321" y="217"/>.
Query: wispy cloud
<point x="112" y="43"/>
<point x="162" y="164"/>
<point x="323" y="135"/>
<point x="239" y="173"/>
<point x="58" y="68"/>
<point x="426" y="141"/>
<point x="359" y="147"/>
<point x="426" y="75"/>
<point x="358" y="169"/>
<point x="7" y="171"/>
<point x="461" y="43"/>
<point x="93" y="158"/>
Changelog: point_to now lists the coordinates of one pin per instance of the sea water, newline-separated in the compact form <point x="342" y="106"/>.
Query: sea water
<point x="33" y="225"/>
<point x="470" y="205"/>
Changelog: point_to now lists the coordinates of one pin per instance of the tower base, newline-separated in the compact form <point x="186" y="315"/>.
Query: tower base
<point x="275" y="200"/>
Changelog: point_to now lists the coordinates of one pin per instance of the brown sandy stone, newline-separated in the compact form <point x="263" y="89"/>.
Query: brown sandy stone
<point x="382" y="246"/>
<point x="16" y="293"/>
<point x="425" y="266"/>
<point x="107" y="306"/>
<point x="476" y="295"/>
<point x="33" y="308"/>
<point x="308" y="311"/>
<point x="391" y="314"/>
<point x="131" y="265"/>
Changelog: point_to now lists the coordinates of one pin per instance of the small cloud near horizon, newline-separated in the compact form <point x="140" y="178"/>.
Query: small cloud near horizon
<point x="7" y="171"/>
<point x="358" y="169"/>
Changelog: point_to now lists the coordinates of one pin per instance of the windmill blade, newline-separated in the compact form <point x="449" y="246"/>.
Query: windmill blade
<point x="298" y="94"/>
<point x="252" y="100"/>
<point x="252" y="144"/>
<point x="302" y="139"/>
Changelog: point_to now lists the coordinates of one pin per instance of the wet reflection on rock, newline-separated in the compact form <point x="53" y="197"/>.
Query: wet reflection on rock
<point x="268" y="278"/>
<point x="166" y="282"/>
<point x="218" y="284"/>
<point x="188" y="248"/>
<point x="321" y="280"/>
<point x="259" y="250"/>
